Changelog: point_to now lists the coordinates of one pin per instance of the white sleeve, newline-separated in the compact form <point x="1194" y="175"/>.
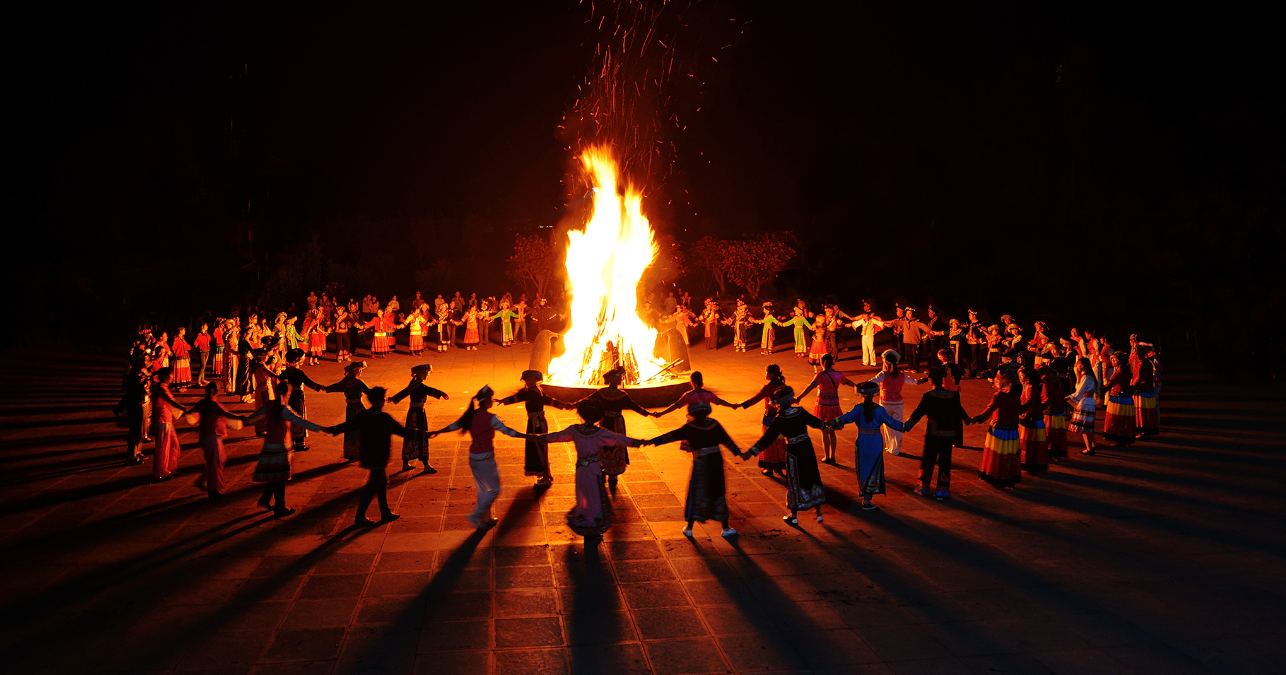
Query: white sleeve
<point x="878" y="378"/>
<point x="500" y="426"/>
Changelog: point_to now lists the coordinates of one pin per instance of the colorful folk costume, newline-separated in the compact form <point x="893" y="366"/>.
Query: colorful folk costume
<point x="293" y="337"/>
<point x="707" y="498"/>
<point x="218" y="350"/>
<point x="1001" y="458"/>
<point x="591" y="515"/>
<point x="317" y="341"/>
<point x="482" y="427"/>
<point x="818" y="347"/>
<point x="506" y="316"/>
<point x="766" y="339"/>
<point x="944" y="430"/>
<point x="891" y="381"/>
<point x="870" y="325"/>
<point x="1082" y="401"/>
<point x="343" y="334"/>
<point x="379" y="341"/>
<point x="613" y="401"/>
<point x="417" y="326"/>
<point x="471" y="329"/>
<point x="536" y="453"/>
<point x="710" y="317"/>
<point x="1055" y="403"/>
<point x="1031" y="425"/>
<point x="485" y="317"/>
<point x="133" y="404"/>
<point x="390" y="325"/>
<point x="800" y="323"/>
<point x="803" y="481"/>
<point x="264" y="390"/>
<point x="233" y="336"/>
<point x="415" y="445"/>
<point x="182" y="376"/>
<point x="740" y="321"/>
<point x="165" y="457"/>
<point x="1147" y="416"/>
<point x="773" y="457"/>
<point x="827" y="406"/>
<point x="212" y="429"/>
<point x="869" y="446"/>
<point x="1120" y="425"/>
<point x="446" y="328"/>
<point x="297" y="380"/>
<point x="273" y="467"/>
<point x="353" y="388"/>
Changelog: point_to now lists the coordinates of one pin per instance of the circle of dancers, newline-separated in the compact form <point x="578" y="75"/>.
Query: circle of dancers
<point x="1043" y="391"/>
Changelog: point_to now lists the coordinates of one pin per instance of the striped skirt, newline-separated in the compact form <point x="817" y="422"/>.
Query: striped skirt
<point x="1083" y="417"/>
<point x="1035" y="444"/>
<point x="827" y="408"/>
<point x="316" y="342"/>
<point x="182" y="371"/>
<point x="218" y="360"/>
<point x="1001" y="452"/>
<point x="417" y="343"/>
<point x="1119" y="425"/>
<point x="1147" y="417"/>
<point x="379" y="343"/>
<point x="1056" y="428"/>
<point x="274" y="463"/>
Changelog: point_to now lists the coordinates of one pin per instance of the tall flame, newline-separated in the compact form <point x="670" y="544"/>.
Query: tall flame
<point x="604" y="264"/>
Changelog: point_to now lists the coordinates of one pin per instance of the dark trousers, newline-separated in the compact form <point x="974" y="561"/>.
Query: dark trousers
<point x="520" y="331"/>
<point x="911" y="355"/>
<point x="376" y="486"/>
<point x="936" y="453"/>
<point x="202" y="355"/>
<point x="975" y="358"/>
<point x="274" y="489"/>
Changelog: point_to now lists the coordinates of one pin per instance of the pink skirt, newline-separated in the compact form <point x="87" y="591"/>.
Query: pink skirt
<point x="215" y="456"/>
<point x="165" y="459"/>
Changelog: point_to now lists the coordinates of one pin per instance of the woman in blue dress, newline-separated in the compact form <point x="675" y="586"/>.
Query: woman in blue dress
<point x="870" y="442"/>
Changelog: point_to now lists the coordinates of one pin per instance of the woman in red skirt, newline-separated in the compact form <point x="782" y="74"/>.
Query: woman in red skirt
<point x="182" y="361"/>
<point x="165" y="458"/>
<point x="1031" y="425"/>
<point x="1001" y="466"/>
<point x="317" y="341"/>
<point x="827" y="408"/>
<point x="1120" y="426"/>
<point x="773" y="458"/>
<point x="379" y="343"/>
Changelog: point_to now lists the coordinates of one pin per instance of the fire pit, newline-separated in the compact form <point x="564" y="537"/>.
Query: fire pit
<point x="651" y="395"/>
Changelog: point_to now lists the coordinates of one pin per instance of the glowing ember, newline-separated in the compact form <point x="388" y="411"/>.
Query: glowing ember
<point x="604" y="264"/>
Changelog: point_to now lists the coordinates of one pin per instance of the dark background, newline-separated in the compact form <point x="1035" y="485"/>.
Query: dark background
<point x="1118" y="166"/>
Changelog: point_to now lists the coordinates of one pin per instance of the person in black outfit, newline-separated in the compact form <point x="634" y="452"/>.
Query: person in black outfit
<point x="298" y="380"/>
<point x="976" y="336"/>
<point x="377" y="428"/>
<point x="945" y="429"/>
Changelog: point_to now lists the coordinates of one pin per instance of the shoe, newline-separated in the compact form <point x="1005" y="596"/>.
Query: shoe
<point x="363" y="521"/>
<point x="790" y="520"/>
<point x="941" y="495"/>
<point x="1087" y="452"/>
<point x="302" y="448"/>
<point x="214" y="495"/>
<point x="164" y="478"/>
<point x="134" y="461"/>
<point x="819" y="517"/>
<point x="829" y="460"/>
<point x="266" y="502"/>
<point x="922" y="491"/>
<point x="488" y="524"/>
<point x="428" y="469"/>
<point x="767" y="472"/>
<point x="389" y="517"/>
<point x="687" y="532"/>
<point x="728" y="532"/>
<point x="869" y="507"/>
<point x="281" y="513"/>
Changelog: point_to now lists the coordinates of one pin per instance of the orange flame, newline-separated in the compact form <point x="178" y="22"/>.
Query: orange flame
<point x="604" y="264"/>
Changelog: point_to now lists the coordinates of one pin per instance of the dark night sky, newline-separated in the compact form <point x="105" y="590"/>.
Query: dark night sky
<point x="932" y="143"/>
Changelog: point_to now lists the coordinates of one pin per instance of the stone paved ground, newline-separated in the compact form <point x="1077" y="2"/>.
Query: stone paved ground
<point x="1162" y="558"/>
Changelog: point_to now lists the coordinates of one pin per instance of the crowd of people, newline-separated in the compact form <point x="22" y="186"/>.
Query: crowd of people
<point x="1045" y="388"/>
